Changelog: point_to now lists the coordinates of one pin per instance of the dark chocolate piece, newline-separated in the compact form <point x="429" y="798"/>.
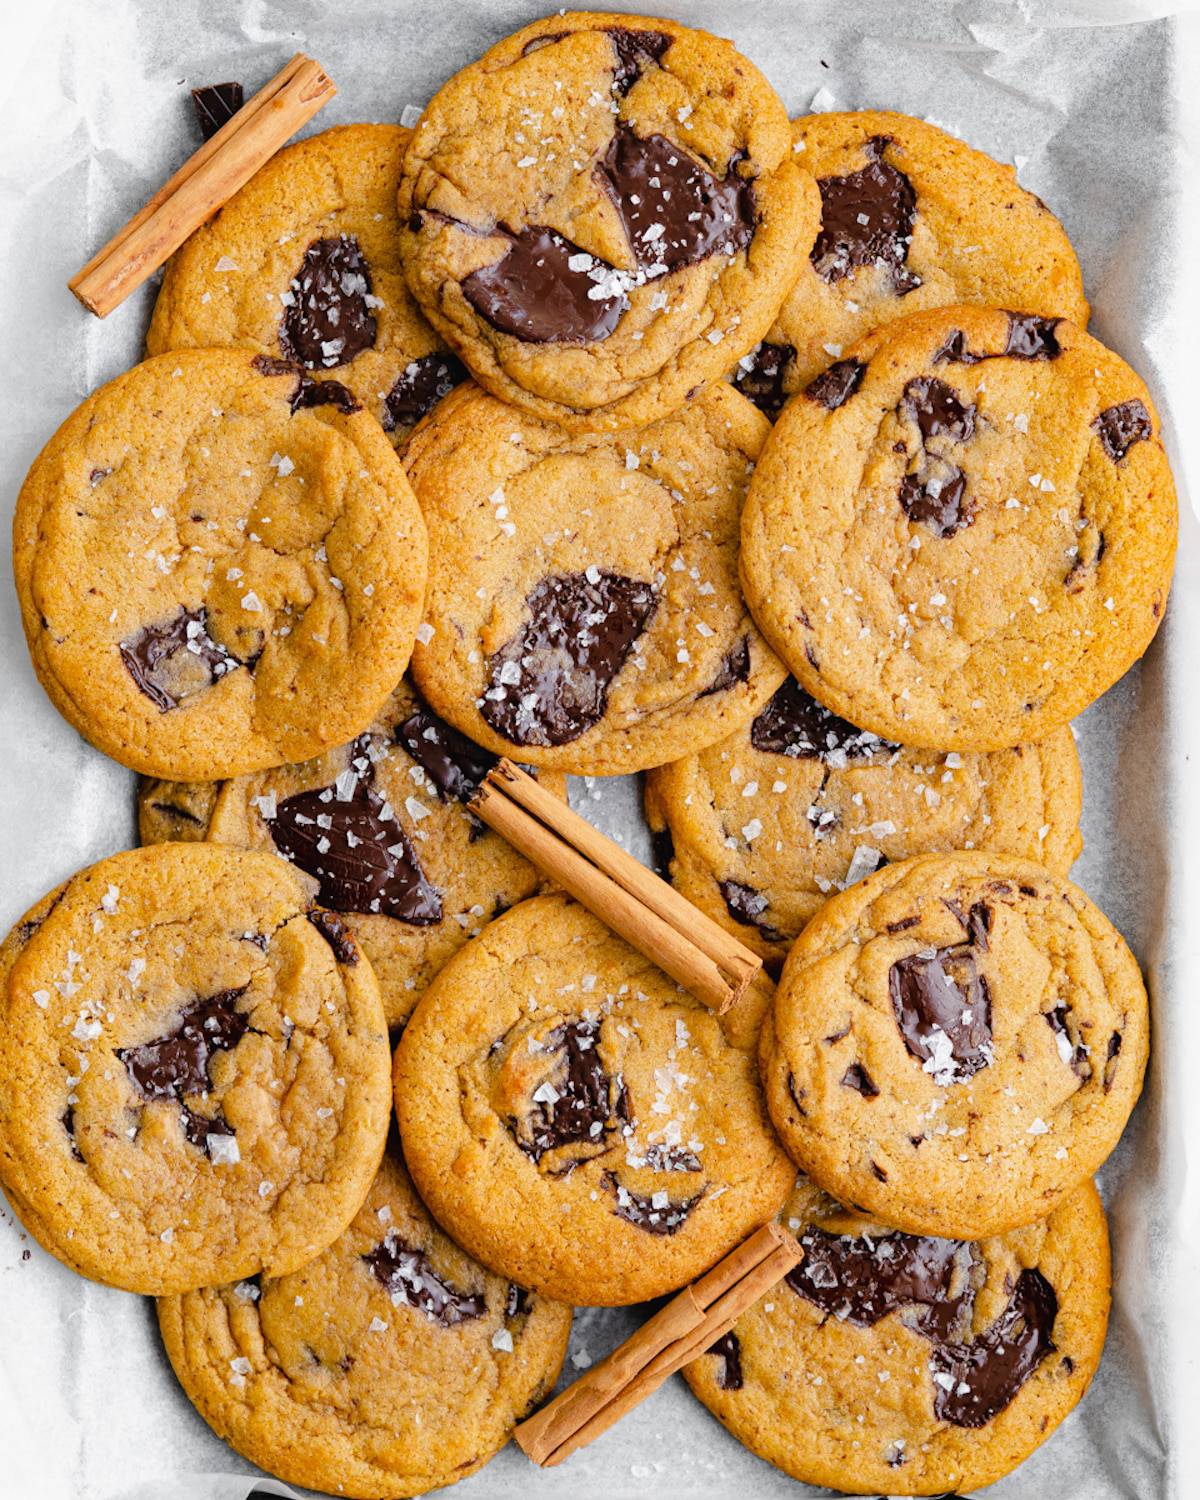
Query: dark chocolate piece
<point x="675" y="212"/>
<point x="549" y="684"/>
<point x="795" y="724"/>
<point x="934" y="492"/>
<point x="419" y="387"/>
<point x="834" y="387"/>
<point x="215" y="105"/>
<point x="728" y="1350"/>
<point x="329" y="320"/>
<point x="866" y="219"/>
<point x="172" y="660"/>
<point x="634" y="49"/>
<point x="1028" y="338"/>
<point x="68" y="1124"/>
<point x="410" y="1278"/>
<point x="937" y="410"/>
<point x="745" y="904"/>
<point x="350" y="840"/>
<point x="325" y="393"/>
<point x="933" y="497"/>
<point x="586" y="1104"/>
<point x="518" y="1301"/>
<point x="1119" y="427"/>
<point x="944" y="1012"/>
<point x="856" y="1077"/>
<point x="336" y="934"/>
<point x="454" y="764"/>
<point x="656" y="1213"/>
<point x="734" y="668"/>
<point x="1110" y="1059"/>
<point x="976" y="1380"/>
<point x="200" y="1130"/>
<point x="760" y="375"/>
<point x="662" y="851"/>
<point x="533" y="293"/>
<point x="1073" y="1053"/>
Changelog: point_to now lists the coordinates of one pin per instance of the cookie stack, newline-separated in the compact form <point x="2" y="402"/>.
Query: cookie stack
<point x="610" y="422"/>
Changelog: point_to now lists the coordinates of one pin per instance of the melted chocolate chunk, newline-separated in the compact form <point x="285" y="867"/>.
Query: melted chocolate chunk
<point x="856" y="1077"/>
<point x="834" y="387"/>
<point x="796" y="725"/>
<point x="1032" y="338"/>
<point x="728" y="1350"/>
<point x="1110" y="1059"/>
<point x="634" y="50"/>
<point x="170" y="661"/>
<point x="329" y="321"/>
<point x="656" y="1213"/>
<point x="409" y="1278"/>
<point x="745" y="904"/>
<point x="760" y="375"/>
<point x="933" y="493"/>
<point x="1119" y="427"/>
<point x="518" y="1301"/>
<point x="735" y="668"/>
<point x="867" y="219"/>
<point x="974" y="1381"/>
<point x="675" y="212"/>
<point x="178" y="1064"/>
<point x="454" y="764"/>
<point x="933" y="497"/>
<point x="336" y="934"/>
<point x="587" y="1102"/>
<point x="325" y="393"/>
<point x="944" y="1012"/>
<point x="68" y="1124"/>
<point x="348" y="839"/>
<point x="419" y="387"/>
<point x="1074" y="1054"/>
<point x="97" y="475"/>
<point x="533" y="293"/>
<point x="549" y="684"/>
<point x="662" y="851"/>
<point x="937" y="410"/>
<point x="215" y="105"/>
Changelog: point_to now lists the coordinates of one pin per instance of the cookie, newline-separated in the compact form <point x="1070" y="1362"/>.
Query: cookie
<point x="194" y="1072"/>
<point x="380" y="831"/>
<point x="911" y="219"/>
<point x="583" y="610"/>
<point x="759" y="829"/>
<point x="390" y="1365"/>
<point x="303" y="264"/>
<point x="955" y="1044"/>
<point x="575" y="1120"/>
<point x="601" y="217"/>
<point x="963" y="532"/>
<point x="893" y="1363"/>
<point x="220" y="566"/>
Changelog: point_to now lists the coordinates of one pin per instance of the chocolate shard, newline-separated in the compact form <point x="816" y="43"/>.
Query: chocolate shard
<point x="856" y="1077"/>
<point x="325" y="393"/>
<point x="1031" y="337"/>
<point x="944" y="1012"/>
<point x="419" y="387"/>
<point x="582" y="1104"/>
<point x="549" y="684"/>
<point x="973" y="1381"/>
<point x="350" y="841"/>
<point x="728" y="1350"/>
<point x="834" y="387"/>
<point x="745" y="904"/>
<point x="933" y="493"/>
<point x="336" y="934"/>
<point x="215" y="105"/>
<point x="675" y="212"/>
<point x="867" y="219"/>
<point x="937" y="410"/>
<point x="176" y="658"/>
<point x="635" y="48"/>
<point x="734" y="668"/>
<point x="200" y="1130"/>
<point x="761" y="374"/>
<point x="1120" y="427"/>
<point x="656" y="1213"/>
<point x="410" y="1279"/>
<point x="329" y="321"/>
<point x="933" y="497"/>
<point x="1074" y="1052"/>
<point x="796" y="725"/>
<point x="540" y="290"/>
<point x="455" y="765"/>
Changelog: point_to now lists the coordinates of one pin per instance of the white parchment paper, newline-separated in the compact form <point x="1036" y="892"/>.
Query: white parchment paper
<point x="1091" y="99"/>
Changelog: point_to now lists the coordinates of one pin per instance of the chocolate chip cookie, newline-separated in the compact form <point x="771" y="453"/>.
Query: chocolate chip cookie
<point x="583" y="609"/>
<point x="390" y="1365"/>
<point x="955" y="1044"/>
<point x="220" y="565"/>
<point x="303" y="264"/>
<point x="193" y="1070"/>
<point x="380" y="830"/>
<point x="759" y="829"/>
<point x="963" y="532"/>
<point x="577" y="1121"/>
<point x="911" y="218"/>
<point x="911" y="1365"/>
<point x="603" y="214"/>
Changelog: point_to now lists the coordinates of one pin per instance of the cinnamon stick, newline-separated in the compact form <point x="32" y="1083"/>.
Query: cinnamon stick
<point x="678" y="1333"/>
<point x="647" y="912"/>
<point x="205" y="181"/>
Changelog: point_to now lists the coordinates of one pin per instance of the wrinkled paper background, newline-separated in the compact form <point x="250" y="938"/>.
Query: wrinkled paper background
<point x="1090" y="99"/>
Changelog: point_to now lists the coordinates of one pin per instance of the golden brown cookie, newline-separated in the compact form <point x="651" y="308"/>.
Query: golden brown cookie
<point x="911" y="218"/>
<point x="889" y="1362"/>
<point x="380" y="831"/>
<point x="956" y="1043"/>
<point x="195" y="1070"/>
<point x="583" y="610"/>
<point x="303" y="264"/>
<point x="220" y="566"/>
<point x="577" y="1121"/>
<point x="603" y="214"/>
<point x="761" y="828"/>
<point x="963" y="532"/>
<point x="390" y="1365"/>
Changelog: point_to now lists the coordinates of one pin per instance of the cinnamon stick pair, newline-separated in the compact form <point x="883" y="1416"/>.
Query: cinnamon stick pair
<point x="678" y="1333"/>
<point x="644" y="910"/>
